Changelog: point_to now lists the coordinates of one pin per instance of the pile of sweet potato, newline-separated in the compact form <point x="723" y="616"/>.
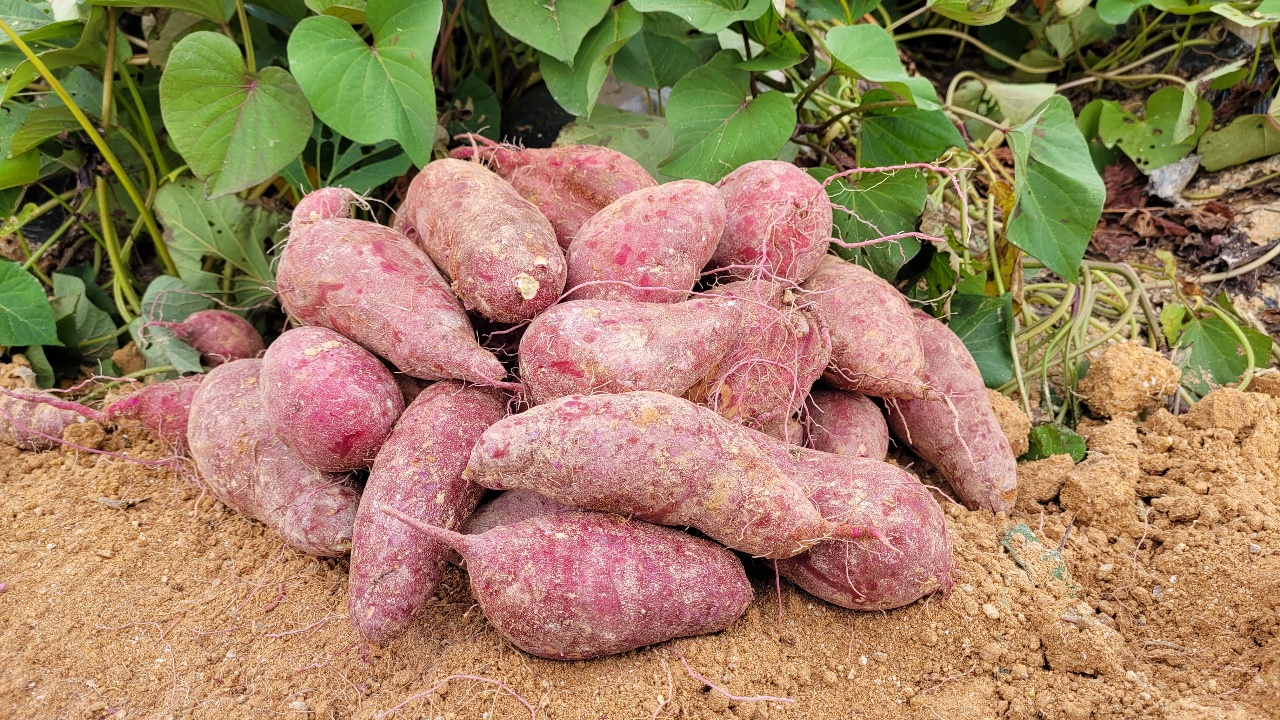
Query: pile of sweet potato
<point x="697" y="383"/>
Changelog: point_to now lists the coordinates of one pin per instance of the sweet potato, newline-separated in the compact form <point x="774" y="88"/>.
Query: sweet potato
<point x="779" y="219"/>
<point x="572" y="586"/>
<point x="322" y="204"/>
<point x="249" y="469"/>
<point x="394" y="569"/>
<point x="330" y="400"/>
<point x="659" y="237"/>
<point x="874" y="347"/>
<point x="218" y="335"/>
<point x="655" y="457"/>
<point x="914" y="558"/>
<point x="569" y="184"/>
<point x="846" y="423"/>
<point x="593" y="346"/>
<point x="782" y="349"/>
<point x="163" y="408"/>
<point x="373" y="285"/>
<point x="496" y="248"/>
<point x="958" y="433"/>
<point x="509" y="508"/>
<point x="34" y="420"/>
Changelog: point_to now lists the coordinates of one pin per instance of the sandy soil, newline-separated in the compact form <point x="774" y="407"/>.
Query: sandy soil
<point x="125" y="594"/>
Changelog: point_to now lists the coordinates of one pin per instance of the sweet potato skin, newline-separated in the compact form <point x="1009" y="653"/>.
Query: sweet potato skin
<point x="496" y="248"/>
<point x="394" y="568"/>
<point x="656" y="457"/>
<point x="584" y="347"/>
<point x="219" y="336"/>
<point x="569" y="184"/>
<point x="373" y="285"/>
<point x="27" y="423"/>
<point x="323" y="204"/>
<point x="245" y="466"/>
<point x="659" y="237"/>
<point x="847" y="423"/>
<point x="576" y="585"/>
<point x="163" y="408"/>
<point x="509" y="508"/>
<point x="779" y="219"/>
<point x="874" y="350"/>
<point x="958" y="433"/>
<point x="330" y="400"/>
<point x="915" y="556"/>
<point x="768" y="370"/>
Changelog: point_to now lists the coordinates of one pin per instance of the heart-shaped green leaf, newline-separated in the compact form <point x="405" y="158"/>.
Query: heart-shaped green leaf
<point x="881" y="204"/>
<point x="868" y="52"/>
<point x="233" y="127"/>
<point x="215" y="10"/>
<point x="25" y="315"/>
<point x="718" y="126"/>
<point x="351" y="11"/>
<point x="972" y="12"/>
<point x="1150" y="142"/>
<point x="709" y="16"/>
<point x="554" y="28"/>
<point x="654" y="60"/>
<point x="643" y="138"/>
<point x="367" y="94"/>
<point x="577" y="88"/>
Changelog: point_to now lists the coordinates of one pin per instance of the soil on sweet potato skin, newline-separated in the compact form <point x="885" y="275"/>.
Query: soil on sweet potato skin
<point x="128" y="595"/>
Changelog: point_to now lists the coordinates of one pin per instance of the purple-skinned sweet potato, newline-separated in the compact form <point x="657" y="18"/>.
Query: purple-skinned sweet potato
<point x="846" y="423"/>
<point x="330" y="400"/>
<point x="875" y="349"/>
<point x="779" y="220"/>
<point x="584" y="347"/>
<point x="767" y="372"/>
<point x="163" y="408"/>
<point x="394" y="569"/>
<point x="509" y="508"/>
<point x="496" y="248"/>
<point x="247" y="468"/>
<point x="957" y="433"/>
<point x="34" y="420"/>
<point x="322" y="204"/>
<point x="913" y="560"/>
<point x="218" y="335"/>
<point x="659" y="238"/>
<point x="658" y="458"/>
<point x="569" y="184"/>
<point x="373" y="285"/>
<point x="578" y="585"/>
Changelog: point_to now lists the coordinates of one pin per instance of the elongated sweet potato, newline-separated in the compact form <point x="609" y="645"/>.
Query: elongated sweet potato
<point x="34" y="420"/>
<point x="584" y="347"/>
<point x="509" y="508"/>
<point x="915" y="557"/>
<point x="373" y="285"/>
<point x="569" y="184"/>
<point x="163" y="408"/>
<point x="783" y="348"/>
<point x="496" y="248"/>
<point x="874" y="347"/>
<point x="659" y="237"/>
<point x="330" y="400"/>
<point x="658" y="458"/>
<point x="574" y="585"/>
<point x="394" y="569"/>
<point x="218" y="335"/>
<point x="958" y="433"/>
<point x="245" y="465"/>
<point x="846" y="423"/>
<point x="779" y="219"/>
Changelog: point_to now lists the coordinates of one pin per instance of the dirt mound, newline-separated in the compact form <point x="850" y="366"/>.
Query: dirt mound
<point x="1144" y="582"/>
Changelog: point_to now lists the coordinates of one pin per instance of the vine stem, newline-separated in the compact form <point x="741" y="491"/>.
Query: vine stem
<point x="248" y="40"/>
<point x="981" y="46"/>
<point x="162" y="251"/>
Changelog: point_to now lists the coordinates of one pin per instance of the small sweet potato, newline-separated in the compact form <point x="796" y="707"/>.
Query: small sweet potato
<point x="874" y="347"/>
<point x="913" y="560"/>
<point x="218" y="335"/>
<point x="163" y="408"/>
<point x="575" y="585"/>
<point x="322" y="204"/>
<point x="958" y="433"/>
<point x="249" y="469"/>
<point x="34" y="420"/>
<point x="779" y="219"/>
<point x="782" y="349"/>
<point x="394" y="569"/>
<point x="655" y="457"/>
<point x="496" y="248"/>
<point x="846" y="423"/>
<point x="509" y="508"/>
<point x="659" y="237"/>
<point x="373" y="285"/>
<point x="569" y="184"/>
<point x="330" y="400"/>
<point x="584" y="347"/>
